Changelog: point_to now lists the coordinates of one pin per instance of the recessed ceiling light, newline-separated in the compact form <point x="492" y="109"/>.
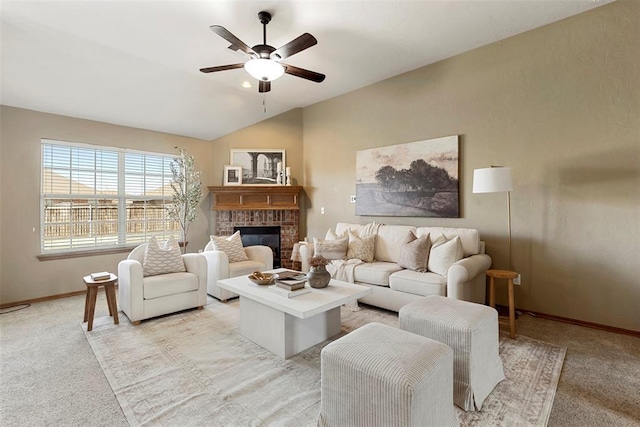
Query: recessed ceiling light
<point x="246" y="84"/>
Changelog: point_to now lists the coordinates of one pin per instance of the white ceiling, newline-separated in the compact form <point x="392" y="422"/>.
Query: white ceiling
<point x="135" y="63"/>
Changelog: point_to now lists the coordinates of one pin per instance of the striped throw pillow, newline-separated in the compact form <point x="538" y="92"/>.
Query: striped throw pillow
<point x="162" y="258"/>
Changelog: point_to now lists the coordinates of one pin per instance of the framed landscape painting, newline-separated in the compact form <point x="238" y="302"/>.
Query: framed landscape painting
<point x="259" y="166"/>
<point x="416" y="179"/>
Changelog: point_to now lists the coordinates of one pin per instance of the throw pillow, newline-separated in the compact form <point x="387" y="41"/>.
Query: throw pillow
<point x="331" y="235"/>
<point x="444" y="253"/>
<point x="331" y="249"/>
<point x="414" y="254"/>
<point x="362" y="248"/>
<point x="162" y="258"/>
<point x="230" y="245"/>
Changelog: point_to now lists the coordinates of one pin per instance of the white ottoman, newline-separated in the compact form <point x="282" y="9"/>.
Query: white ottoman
<point x="382" y="376"/>
<point x="471" y="330"/>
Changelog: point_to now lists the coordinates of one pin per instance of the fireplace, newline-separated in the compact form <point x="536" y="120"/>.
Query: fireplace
<point x="242" y="206"/>
<point x="265" y="236"/>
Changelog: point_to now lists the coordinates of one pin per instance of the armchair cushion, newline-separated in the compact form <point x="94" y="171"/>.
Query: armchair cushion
<point x="245" y="267"/>
<point x="231" y="245"/>
<point x="162" y="257"/>
<point x="168" y="284"/>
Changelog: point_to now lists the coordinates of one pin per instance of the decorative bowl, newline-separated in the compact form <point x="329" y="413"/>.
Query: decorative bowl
<point x="263" y="278"/>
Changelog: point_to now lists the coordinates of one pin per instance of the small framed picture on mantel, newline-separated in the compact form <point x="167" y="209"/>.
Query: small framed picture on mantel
<point x="232" y="175"/>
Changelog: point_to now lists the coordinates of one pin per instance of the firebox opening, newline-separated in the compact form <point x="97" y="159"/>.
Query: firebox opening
<point x="264" y="235"/>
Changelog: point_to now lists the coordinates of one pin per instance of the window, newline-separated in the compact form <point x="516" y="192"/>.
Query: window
<point x="101" y="197"/>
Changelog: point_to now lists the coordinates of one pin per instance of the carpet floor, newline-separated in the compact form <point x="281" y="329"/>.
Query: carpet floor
<point x="194" y="368"/>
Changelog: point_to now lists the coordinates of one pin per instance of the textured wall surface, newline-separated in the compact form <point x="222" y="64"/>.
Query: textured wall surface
<point x="560" y="105"/>
<point x="23" y="276"/>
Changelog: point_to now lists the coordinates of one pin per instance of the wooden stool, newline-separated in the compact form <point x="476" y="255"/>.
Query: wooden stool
<point x="510" y="275"/>
<point x="92" y="293"/>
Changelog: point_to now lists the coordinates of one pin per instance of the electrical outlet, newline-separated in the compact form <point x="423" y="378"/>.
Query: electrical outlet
<point x="516" y="281"/>
<point x="322" y="211"/>
<point x="352" y="199"/>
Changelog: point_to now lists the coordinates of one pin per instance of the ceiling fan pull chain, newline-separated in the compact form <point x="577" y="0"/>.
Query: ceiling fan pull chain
<point x="264" y="103"/>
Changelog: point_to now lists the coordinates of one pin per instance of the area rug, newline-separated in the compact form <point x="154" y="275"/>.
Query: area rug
<point x="194" y="368"/>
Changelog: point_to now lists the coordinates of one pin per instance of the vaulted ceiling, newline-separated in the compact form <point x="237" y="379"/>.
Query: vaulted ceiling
<point x="136" y="63"/>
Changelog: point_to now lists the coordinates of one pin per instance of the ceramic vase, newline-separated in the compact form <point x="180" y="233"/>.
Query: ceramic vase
<point x="318" y="277"/>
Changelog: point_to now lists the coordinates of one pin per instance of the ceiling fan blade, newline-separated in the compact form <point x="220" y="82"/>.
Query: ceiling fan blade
<point x="221" y="68"/>
<point x="299" y="44"/>
<point x="305" y="74"/>
<point x="236" y="43"/>
<point x="263" y="86"/>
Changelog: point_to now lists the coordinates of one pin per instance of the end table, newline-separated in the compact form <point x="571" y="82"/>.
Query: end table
<point x="509" y="275"/>
<point x="92" y="293"/>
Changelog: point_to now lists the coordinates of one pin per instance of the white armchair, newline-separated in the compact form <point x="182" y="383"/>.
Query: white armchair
<point x="145" y="297"/>
<point x="219" y="267"/>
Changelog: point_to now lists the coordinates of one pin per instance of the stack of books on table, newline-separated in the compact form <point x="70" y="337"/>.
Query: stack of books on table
<point x="103" y="275"/>
<point x="290" y="284"/>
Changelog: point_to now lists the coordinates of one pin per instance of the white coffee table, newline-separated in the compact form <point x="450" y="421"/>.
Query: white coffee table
<point x="286" y="326"/>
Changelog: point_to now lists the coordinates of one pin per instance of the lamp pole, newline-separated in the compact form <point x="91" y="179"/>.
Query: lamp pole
<point x="509" y="222"/>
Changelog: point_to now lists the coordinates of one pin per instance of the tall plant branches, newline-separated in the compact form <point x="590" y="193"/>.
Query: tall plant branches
<point x="187" y="193"/>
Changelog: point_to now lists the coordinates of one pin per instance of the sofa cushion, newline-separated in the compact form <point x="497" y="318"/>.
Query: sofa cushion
<point x="230" y="245"/>
<point x="242" y="268"/>
<point x="416" y="283"/>
<point x="469" y="237"/>
<point x="375" y="273"/>
<point x="389" y="241"/>
<point x="331" y="249"/>
<point x="361" y="248"/>
<point x="169" y="284"/>
<point x="444" y="253"/>
<point x="162" y="257"/>
<point x="331" y="235"/>
<point x="342" y="228"/>
<point x="414" y="254"/>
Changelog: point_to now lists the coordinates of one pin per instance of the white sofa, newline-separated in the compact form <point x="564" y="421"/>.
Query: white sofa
<point x="219" y="267"/>
<point x="145" y="297"/>
<point x="393" y="286"/>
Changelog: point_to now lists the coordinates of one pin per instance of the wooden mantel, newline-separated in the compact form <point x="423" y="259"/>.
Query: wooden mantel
<point x="240" y="197"/>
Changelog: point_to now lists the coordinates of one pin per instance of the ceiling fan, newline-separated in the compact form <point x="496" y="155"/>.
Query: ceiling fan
<point x="265" y="64"/>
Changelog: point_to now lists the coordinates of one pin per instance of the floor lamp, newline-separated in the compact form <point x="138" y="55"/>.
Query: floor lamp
<point x="496" y="179"/>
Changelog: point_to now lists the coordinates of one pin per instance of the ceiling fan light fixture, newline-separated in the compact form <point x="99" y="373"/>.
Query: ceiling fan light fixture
<point x="264" y="69"/>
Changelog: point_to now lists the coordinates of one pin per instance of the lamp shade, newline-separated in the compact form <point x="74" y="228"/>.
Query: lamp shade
<point x="492" y="180"/>
<point x="264" y="69"/>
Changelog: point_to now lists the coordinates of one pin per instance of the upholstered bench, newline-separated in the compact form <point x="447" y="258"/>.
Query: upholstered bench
<point x="471" y="330"/>
<point x="382" y="376"/>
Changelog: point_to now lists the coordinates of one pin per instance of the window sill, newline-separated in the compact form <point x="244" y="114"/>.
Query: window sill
<point x="89" y="252"/>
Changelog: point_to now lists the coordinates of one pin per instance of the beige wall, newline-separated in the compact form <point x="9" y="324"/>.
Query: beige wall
<point x="283" y="131"/>
<point x="560" y="105"/>
<point x="23" y="276"/>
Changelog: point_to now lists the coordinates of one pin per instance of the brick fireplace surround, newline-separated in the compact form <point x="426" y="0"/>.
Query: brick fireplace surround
<point x="259" y="206"/>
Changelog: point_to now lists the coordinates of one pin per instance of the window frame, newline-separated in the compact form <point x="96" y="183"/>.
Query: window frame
<point x="124" y="239"/>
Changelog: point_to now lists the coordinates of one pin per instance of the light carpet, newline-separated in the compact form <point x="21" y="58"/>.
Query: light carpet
<point x="194" y="368"/>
